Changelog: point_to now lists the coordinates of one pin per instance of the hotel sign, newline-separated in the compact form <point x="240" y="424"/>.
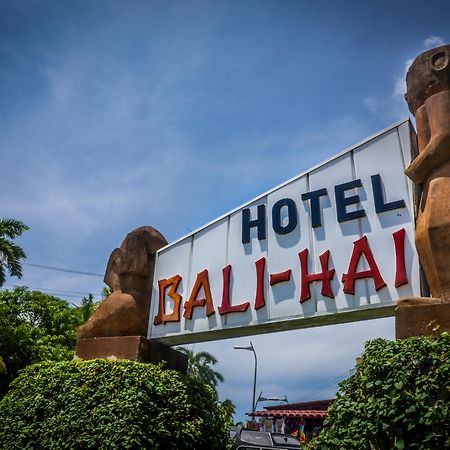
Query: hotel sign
<point x="334" y="244"/>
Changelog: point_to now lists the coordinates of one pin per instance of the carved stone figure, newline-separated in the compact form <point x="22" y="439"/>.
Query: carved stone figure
<point x="428" y="97"/>
<point x="129" y="274"/>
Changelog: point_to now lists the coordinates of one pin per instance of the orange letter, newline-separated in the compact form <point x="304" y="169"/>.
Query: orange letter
<point x="202" y="281"/>
<point x="162" y="317"/>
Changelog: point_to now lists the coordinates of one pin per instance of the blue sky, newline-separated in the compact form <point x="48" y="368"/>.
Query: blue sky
<point x="117" y="114"/>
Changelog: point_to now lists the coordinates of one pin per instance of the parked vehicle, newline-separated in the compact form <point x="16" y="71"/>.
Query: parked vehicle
<point x="260" y="440"/>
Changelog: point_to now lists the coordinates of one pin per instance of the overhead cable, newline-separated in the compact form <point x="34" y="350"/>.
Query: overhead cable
<point x="60" y="269"/>
<point x="323" y="387"/>
<point x="61" y="291"/>
<point x="56" y="292"/>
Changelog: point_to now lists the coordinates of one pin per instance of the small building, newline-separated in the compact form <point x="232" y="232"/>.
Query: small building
<point x="303" y="420"/>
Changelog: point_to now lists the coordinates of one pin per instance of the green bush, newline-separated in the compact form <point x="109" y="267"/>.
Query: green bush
<point x="103" y="404"/>
<point x="34" y="327"/>
<point x="398" y="398"/>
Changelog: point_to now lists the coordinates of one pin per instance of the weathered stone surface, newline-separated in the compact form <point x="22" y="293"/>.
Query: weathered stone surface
<point x="428" y="96"/>
<point x="433" y="235"/>
<point x="421" y="316"/>
<point x="131" y="347"/>
<point x="130" y="275"/>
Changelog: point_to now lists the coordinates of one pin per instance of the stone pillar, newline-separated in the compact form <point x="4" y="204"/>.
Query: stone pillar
<point x="118" y="328"/>
<point x="428" y="97"/>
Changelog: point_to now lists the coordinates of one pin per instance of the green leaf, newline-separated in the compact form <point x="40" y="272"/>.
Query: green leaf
<point x="363" y="418"/>
<point x="110" y="404"/>
<point x="428" y="437"/>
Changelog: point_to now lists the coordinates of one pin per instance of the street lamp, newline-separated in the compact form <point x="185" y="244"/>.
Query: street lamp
<point x="251" y="349"/>
<point x="271" y="399"/>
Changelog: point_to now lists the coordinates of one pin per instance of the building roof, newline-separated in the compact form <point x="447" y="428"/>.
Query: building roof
<point x="316" y="409"/>
<point x="293" y="413"/>
<point x="321" y="405"/>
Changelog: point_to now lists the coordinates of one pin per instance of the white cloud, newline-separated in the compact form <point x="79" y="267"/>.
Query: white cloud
<point x="372" y="104"/>
<point x="433" y="41"/>
<point x="68" y="210"/>
<point x="264" y="162"/>
<point x="400" y="82"/>
<point x="394" y="105"/>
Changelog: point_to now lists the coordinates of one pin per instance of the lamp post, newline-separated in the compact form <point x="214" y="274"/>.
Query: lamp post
<point x="251" y="349"/>
<point x="271" y="399"/>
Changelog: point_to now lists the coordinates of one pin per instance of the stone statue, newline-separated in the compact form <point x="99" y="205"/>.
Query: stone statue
<point x="129" y="274"/>
<point x="428" y="97"/>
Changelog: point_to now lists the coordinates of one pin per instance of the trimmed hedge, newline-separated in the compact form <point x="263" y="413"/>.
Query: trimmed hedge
<point x="34" y="327"/>
<point x="104" y="404"/>
<point x="398" y="398"/>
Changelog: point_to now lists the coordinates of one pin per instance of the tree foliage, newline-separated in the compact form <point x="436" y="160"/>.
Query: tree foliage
<point x="228" y="410"/>
<point x="103" y="404"/>
<point x="87" y="307"/>
<point x="106" y="292"/>
<point x="10" y="253"/>
<point x="398" y="398"/>
<point x="200" y="367"/>
<point x="34" y="327"/>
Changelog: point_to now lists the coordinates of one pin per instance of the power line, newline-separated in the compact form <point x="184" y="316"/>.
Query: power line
<point x="60" y="269"/>
<point x="56" y="292"/>
<point x="53" y="290"/>
<point x="323" y="387"/>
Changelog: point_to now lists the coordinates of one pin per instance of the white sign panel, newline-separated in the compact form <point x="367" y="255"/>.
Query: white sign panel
<point x="333" y="244"/>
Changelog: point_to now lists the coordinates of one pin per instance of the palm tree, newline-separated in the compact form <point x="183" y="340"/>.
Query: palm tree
<point x="199" y="367"/>
<point x="228" y="409"/>
<point x="87" y="307"/>
<point x="10" y="253"/>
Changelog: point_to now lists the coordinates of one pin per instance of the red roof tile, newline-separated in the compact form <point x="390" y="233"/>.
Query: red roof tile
<point x="295" y="413"/>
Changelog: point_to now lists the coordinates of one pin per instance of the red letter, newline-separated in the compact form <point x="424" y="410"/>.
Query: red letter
<point x="361" y="247"/>
<point x="226" y="307"/>
<point x="162" y="317"/>
<point x="260" y="301"/>
<point x="325" y="276"/>
<point x="202" y="281"/>
<point x="279" y="277"/>
<point x="400" y="267"/>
